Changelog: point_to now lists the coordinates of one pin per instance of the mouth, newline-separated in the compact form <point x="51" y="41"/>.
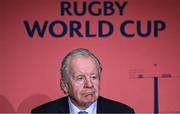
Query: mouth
<point x="88" y="94"/>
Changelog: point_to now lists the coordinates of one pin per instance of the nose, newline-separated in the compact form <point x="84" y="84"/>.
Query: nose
<point x="88" y="83"/>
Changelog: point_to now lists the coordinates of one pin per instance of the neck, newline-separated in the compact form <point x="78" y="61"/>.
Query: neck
<point x="81" y="106"/>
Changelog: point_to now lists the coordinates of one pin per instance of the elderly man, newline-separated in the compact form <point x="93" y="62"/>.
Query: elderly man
<point x="80" y="80"/>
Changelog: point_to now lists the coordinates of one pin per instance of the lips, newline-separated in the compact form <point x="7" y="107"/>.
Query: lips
<point x="86" y="93"/>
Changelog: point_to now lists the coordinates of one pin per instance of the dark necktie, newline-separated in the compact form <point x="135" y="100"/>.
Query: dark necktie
<point x="82" y="112"/>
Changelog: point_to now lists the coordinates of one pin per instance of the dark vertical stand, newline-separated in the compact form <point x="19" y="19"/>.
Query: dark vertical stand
<point x="134" y="74"/>
<point x="156" y="95"/>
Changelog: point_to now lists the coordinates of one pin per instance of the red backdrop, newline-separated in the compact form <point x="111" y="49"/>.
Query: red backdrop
<point x="29" y="69"/>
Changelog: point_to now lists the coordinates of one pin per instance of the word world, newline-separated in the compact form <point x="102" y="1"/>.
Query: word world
<point x="94" y="9"/>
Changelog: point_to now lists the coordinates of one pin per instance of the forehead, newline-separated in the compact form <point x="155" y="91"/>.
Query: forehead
<point x="82" y="64"/>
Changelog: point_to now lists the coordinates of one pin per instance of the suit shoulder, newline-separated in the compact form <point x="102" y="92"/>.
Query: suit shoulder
<point x="51" y="106"/>
<point x="114" y="106"/>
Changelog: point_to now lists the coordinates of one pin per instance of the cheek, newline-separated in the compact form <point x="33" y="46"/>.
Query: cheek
<point x="76" y="89"/>
<point x="97" y="86"/>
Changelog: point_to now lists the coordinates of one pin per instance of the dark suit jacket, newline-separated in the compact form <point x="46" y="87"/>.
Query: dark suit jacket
<point x="103" y="106"/>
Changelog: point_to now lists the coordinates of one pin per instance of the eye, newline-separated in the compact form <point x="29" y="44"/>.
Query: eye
<point x="94" y="77"/>
<point x="80" y="78"/>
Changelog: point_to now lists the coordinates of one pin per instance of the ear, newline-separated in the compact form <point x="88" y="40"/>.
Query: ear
<point x="64" y="86"/>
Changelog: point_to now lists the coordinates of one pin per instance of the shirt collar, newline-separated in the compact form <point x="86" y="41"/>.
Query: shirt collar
<point x="92" y="109"/>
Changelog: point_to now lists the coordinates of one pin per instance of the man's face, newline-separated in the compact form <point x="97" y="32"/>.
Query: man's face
<point x="83" y="85"/>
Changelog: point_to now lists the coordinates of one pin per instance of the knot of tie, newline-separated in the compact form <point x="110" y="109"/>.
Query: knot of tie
<point x="82" y="112"/>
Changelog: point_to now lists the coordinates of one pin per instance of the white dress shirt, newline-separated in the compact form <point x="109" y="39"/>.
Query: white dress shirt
<point x="92" y="109"/>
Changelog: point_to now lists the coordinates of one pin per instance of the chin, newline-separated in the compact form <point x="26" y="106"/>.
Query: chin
<point x="89" y="100"/>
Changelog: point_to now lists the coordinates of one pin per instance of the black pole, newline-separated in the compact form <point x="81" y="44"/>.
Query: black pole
<point x="156" y="111"/>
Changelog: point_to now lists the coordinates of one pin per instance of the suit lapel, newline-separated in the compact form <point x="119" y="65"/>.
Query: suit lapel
<point x="63" y="106"/>
<point x="99" y="105"/>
